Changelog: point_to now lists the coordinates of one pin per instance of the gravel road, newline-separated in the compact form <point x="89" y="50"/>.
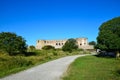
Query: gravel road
<point x="52" y="70"/>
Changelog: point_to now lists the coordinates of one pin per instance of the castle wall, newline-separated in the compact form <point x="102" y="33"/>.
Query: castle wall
<point x="81" y="42"/>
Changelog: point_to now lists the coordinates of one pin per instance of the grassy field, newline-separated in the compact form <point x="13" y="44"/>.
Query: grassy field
<point x="13" y="64"/>
<point x="93" y="68"/>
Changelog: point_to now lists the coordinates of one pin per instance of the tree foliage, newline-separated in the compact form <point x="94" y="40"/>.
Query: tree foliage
<point x="92" y="43"/>
<point x="48" y="47"/>
<point x="70" y="45"/>
<point x="12" y="43"/>
<point x="109" y="35"/>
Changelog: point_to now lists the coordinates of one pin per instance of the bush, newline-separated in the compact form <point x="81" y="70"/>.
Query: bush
<point x="48" y="47"/>
<point x="70" y="45"/>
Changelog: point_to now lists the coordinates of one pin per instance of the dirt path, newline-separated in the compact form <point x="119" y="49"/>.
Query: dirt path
<point x="52" y="70"/>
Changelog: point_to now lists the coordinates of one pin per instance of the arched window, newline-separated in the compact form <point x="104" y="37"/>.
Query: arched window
<point x="56" y="43"/>
<point x="80" y="44"/>
<point x="45" y="41"/>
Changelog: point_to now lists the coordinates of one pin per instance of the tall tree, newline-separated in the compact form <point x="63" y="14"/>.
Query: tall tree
<point x="109" y="36"/>
<point x="70" y="45"/>
<point x="12" y="43"/>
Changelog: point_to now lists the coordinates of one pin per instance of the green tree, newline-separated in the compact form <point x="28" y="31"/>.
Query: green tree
<point x="12" y="43"/>
<point x="92" y="43"/>
<point x="109" y="36"/>
<point x="70" y="45"/>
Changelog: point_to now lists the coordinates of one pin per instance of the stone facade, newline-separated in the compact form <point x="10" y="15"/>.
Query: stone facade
<point x="81" y="42"/>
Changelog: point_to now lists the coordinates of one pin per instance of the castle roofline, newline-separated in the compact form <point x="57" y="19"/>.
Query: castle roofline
<point x="61" y="39"/>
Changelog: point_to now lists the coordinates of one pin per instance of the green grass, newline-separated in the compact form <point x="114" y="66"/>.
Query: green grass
<point x="14" y="64"/>
<point x="93" y="68"/>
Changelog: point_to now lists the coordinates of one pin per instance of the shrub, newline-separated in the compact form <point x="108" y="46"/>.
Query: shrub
<point x="48" y="47"/>
<point x="70" y="45"/>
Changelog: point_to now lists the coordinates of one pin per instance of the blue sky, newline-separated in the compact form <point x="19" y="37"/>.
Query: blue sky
<point x="56" y="19"/>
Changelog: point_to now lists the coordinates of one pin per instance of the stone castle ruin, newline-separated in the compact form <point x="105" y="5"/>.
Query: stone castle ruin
<point x="81" y="42"/>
